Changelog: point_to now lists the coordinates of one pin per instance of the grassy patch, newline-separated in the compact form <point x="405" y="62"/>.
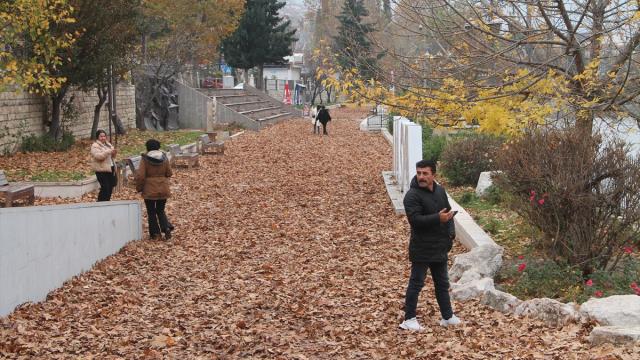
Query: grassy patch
<point x="47" y="175"/>
<point x="505" y="227"/>
<point x="73" y="163"/>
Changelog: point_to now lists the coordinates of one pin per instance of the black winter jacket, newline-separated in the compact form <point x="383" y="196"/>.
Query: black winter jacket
<point x="430" y="240"/>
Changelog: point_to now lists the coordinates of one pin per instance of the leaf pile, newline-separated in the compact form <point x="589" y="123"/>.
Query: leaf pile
<point x="286" y="247"/>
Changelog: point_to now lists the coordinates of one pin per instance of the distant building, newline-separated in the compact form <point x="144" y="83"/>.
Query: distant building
<point x="291" y="70"/>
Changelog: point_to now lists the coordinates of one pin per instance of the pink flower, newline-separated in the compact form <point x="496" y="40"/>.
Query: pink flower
<point x="589" y="282"/>
<point x="532" y="193"/>
<point x="598" y="293"/>
<point x="634" y="286"/>
<point x="522" y="266"/>
<point x="520" y="257"/>
<point x="541" y="202"/>
<point x="628" y="250"/>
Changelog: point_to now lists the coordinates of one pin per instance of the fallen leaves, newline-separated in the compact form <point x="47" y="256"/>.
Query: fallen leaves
<point x="285" y="247"/>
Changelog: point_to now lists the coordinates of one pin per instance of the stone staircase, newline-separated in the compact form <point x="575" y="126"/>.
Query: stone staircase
<point x="249" y="107"/>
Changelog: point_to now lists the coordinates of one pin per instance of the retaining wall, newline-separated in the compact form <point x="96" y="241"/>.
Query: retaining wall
<point x="197" y="110"/>
<point x="23" y="114"/>
<point x="67" y="241"/>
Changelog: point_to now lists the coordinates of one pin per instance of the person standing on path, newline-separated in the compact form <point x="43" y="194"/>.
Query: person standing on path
<point x="432" y="234"/>
<point x="102" y="162"/>
<point x="324" y="118"/>
<point x="152" y="179"/>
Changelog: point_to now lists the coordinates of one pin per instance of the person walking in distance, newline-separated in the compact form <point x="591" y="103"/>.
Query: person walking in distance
<point x="324" y="118"/>
<point x="152" y="179"/>
<point x="103" y="164"/>
<point x="432" y="233"/>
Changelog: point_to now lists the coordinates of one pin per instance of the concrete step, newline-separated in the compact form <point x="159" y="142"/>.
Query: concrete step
<point x="273" y="117"/>
<point x="269" y="110"/>
<point x="222" y="92"/>
<point x="257" y="115"/>
<point x="249" y="105"/>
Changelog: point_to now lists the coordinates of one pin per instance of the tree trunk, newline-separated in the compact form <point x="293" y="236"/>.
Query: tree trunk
<point x="117" y="123"/>
<point x="102" y="98"/>
<point x="259" y="84"/>
<point x="314" y="95"/>
<point x="246" y="76"/>
<point x="56" y="100"/>
<point x="584" y="121"/>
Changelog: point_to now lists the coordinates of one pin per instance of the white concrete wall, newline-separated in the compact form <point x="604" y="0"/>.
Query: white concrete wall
<point x="407" y="150"/>
<point x="41" y="247"/>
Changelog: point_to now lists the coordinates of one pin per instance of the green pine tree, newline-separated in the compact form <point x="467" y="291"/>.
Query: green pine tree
<point x="351" y="43"/>
<point x="262" y="37"/>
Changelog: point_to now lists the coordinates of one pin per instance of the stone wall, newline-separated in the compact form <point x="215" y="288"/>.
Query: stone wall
<point x="22" y="114"/>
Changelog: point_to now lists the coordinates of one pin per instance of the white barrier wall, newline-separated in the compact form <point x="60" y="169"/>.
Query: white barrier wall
<point x="41" y="247"/>
<point x="407" y="150"/>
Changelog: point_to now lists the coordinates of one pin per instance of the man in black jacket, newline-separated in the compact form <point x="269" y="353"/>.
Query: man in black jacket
<point x="432" y="234"/>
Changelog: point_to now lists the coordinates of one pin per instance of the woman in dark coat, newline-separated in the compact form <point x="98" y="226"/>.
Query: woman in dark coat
<point x="152" y="179"/>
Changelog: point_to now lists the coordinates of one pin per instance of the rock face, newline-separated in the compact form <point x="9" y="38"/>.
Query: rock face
<point x="549" y="310"/>
<point x="500" y="301"/>
<point x="614" y="334"/>
<point x="466" y="291"/>
<point x="617" y="310"/>
<point x="484" y="181"/>
<point x="484" y="260"/>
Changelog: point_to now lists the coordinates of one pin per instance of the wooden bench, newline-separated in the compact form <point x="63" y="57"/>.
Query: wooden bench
<point x="179" y="158"/>
<point x="210" y="147"/>
<point x="10" y="193"/>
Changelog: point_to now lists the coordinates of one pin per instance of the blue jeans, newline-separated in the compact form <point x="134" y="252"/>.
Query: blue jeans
<point x="440" y="277"/>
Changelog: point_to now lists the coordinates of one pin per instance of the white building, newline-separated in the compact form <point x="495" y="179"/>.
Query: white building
<point x="288" y="71"/>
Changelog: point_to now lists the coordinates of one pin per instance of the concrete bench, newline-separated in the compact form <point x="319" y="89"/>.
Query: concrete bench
<point x="207" y="146"/>
<point x="179" y="158"/>
<point x="11" y="193"/>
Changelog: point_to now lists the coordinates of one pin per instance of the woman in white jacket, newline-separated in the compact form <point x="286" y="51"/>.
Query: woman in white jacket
<point x="102" y="162"/>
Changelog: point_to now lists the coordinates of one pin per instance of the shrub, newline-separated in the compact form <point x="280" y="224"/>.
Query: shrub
<point x="540" y="278"/>
<point x="494" y="195"/>
<point x="464" y="158"/>
<point x="581" y="193"/>
<point x="432" y="145"/>
<point x="467" y="198"/>
<point x="33" y="143"/>
<point x="526" y="278"/>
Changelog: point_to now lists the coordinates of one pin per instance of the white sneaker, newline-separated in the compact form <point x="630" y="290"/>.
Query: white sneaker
<point x="453" y="321"/>
<point x="411" y="324"/>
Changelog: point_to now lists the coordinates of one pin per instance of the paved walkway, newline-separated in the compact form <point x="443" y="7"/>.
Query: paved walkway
<point x="285" y="247"/>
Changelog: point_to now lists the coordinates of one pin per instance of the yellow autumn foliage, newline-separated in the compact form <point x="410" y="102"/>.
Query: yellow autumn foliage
<point x="31" y="21"/>
<point x="526" y="100"/>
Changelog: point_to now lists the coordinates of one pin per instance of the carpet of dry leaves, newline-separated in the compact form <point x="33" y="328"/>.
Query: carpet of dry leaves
<point x="286" y="247"/>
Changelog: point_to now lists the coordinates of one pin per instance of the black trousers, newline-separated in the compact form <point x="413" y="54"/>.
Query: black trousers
<point x="156" y="216"/>
<point x="440" y="277"/>
<point x="107" y="181"/>
<point x="324" y="127"/>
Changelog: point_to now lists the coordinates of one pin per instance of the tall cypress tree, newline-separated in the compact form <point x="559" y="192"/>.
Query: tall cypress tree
<point x="262" y="37"/>
<point x="351" y="43"/>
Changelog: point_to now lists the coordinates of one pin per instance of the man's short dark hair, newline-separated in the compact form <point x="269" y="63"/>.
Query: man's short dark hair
<point x="427" y="164"/>
<point x="152" y="144"/>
